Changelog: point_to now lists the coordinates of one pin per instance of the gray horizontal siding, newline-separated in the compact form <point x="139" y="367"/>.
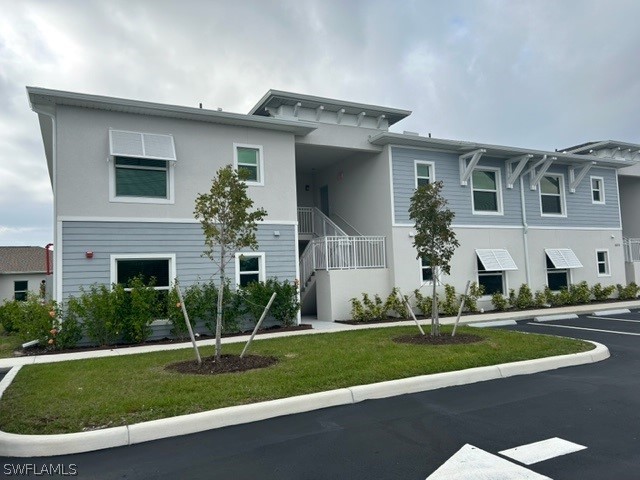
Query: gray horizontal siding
<point x="580" y="210"/>
<point x="184" y="240"/>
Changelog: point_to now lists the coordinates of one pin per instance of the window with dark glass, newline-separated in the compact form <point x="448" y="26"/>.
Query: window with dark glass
<point x="20" y="289"/>
<point x="492" y="281"/>
<point x="248" y="269"/>
<point x="425" y="270"/>
<point x="485" y="191"/>
<point x="139" y="177"/>
<point x="597" y="190"/>
<point x="551" y="195"/>
<point x="557" y="278"/>
<point x="603" y="262"/>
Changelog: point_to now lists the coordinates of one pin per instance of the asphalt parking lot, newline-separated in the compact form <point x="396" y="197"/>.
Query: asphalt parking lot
<point x="579" y="423"/>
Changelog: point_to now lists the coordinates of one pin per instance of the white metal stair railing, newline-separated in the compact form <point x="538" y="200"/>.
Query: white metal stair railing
<point x="341" y="253"/>
<point x="631" y="249"/>
<point x="311" y="221"/>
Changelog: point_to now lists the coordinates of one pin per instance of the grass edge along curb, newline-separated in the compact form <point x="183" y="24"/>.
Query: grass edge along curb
<point x="17" y="445"/>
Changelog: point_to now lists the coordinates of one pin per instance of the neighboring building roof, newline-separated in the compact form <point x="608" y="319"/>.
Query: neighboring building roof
<point x="22" y="260"/>
<point x="42" y="97"/>
<point x="388" y="138"/>
<point x="276" y="98"/>
<point x="601" y="144"/>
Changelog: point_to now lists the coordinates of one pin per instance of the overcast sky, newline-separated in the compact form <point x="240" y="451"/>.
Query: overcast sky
<point x="540" y="74"/>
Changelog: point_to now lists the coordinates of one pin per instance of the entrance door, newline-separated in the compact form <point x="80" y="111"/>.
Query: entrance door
<point x="324" y="200"/>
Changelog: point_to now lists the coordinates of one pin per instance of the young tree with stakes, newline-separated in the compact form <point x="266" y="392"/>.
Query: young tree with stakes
<point x="228" y="226"/>
<point x="434" y="238"/>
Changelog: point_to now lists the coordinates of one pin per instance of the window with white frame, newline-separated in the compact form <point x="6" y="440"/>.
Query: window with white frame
<point x="140" y="171"/>
<point x="602" y="262"/>
<point x="20" y="290"/>
<point x="423" y="173"/>
<point x="249" y="162"/>
<point x="552" y="195"/>
<point x="559" y="262"/>
<point x="557" y="278"/>
<point x="426" y="272"/>
<point x="491" y="280"/>
<point x="157" y="270"/>
<point x="597" y="190"/>
<point x="486" y="191"/>
<point x="249" y="268"/>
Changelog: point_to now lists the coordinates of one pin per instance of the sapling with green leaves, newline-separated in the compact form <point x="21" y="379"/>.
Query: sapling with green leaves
<point x="229" y="225"/>
<point x="434" y="240"/>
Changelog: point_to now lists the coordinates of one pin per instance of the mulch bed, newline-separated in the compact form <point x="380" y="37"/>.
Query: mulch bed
<point x="227" y="364"/>
<point x="40" y="350"/>
<point x="417" y="339"/>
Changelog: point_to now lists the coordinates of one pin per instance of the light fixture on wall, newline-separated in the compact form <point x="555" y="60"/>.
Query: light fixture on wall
<point x="276" y="233"/>
<point x="88" y="254"/>
<point x="412" y="234"/>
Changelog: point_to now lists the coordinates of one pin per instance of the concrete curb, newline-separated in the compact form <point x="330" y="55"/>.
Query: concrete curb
<point x="552" y="318"/>
<point x="15" y="445"/>
<point x="604" y="313"/>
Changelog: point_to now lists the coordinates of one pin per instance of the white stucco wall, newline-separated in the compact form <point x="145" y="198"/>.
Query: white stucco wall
<point x="201" y="149"/>
<point x="336" y="287"/>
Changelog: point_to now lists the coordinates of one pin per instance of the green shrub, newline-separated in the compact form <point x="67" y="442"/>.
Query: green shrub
<point x="559" y="299"/>
<point x="139" y="308"/>
<point x="602" y="293"/>
<point x="101" y="311"/>
<point x="630" y="292"/>
<point x="31" y="319"/>
<point x="580" y="293"/>
<point x="358" y="313"/>
<point x="540" y="298"/>
<point x="450" y="303"/>
<point x="424" y="303"/>
<point x="524" y="299"/>
<point x="286" y="305"/>
<point x="499" y="302"/>
<point x="10" y="313"/>
<point x="471" y="300"/>
<point x="255" y="297"/>
<point x="67" y="328"/>
<point x="512" y="297"/>
<point x="174" y="311"/>
<point x="394" y="304"/>
<point x="375" y="309"/>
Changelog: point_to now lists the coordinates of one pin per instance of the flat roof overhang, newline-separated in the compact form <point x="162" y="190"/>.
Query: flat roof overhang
<point x="42" y="97"/>
<point x="276" y="98"/>
<point x="496" y="151"/>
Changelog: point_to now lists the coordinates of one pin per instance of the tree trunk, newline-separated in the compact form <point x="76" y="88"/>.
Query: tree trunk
<point x="435" y="327"/>
<point x="219" y="309"/>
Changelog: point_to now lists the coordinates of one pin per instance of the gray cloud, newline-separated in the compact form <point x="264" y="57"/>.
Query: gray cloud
<point x="536" y="73"/>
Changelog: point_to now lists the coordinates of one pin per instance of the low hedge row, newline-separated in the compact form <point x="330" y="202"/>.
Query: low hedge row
<point x="112" y="315"/>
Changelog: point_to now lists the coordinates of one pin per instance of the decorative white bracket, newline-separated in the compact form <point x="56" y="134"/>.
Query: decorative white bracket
<point x="544" y="163"/>
<point x="340" y="114"/>
<point x="380" y="119"/>
<point x="360" y="117"/>
<point x="296" y="108"/>
<point x="467" y="168"/>
<point x="574" y="180"/>
<point x="512" y="175"/>
<point x="319" y="112"/>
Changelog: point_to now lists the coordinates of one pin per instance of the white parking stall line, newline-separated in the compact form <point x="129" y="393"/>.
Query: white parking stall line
<point x="541" y="451"/>
<point x="616" y="319"/>
<point x="584" y="328"/>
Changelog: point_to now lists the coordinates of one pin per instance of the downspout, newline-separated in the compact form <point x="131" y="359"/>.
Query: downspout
<point x="57" y="253"/>
<point x="525" y="232"/>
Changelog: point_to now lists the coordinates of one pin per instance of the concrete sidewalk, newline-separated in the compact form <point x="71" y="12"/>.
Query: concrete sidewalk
<point x="318" y="328"/>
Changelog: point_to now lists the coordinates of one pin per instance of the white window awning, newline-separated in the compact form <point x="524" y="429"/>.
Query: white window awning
<point x="141" y="145"/>
<point x="496" y="259"/>
<point x="563" y="258"/>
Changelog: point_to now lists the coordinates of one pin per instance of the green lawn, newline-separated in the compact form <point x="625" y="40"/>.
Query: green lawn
<point x="8" y="343"/>
<point x="89" y="394"/>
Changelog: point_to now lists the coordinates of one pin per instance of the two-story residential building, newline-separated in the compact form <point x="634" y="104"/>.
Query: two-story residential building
<point x="336" y="185"/>
<point x="23" y="271"/>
